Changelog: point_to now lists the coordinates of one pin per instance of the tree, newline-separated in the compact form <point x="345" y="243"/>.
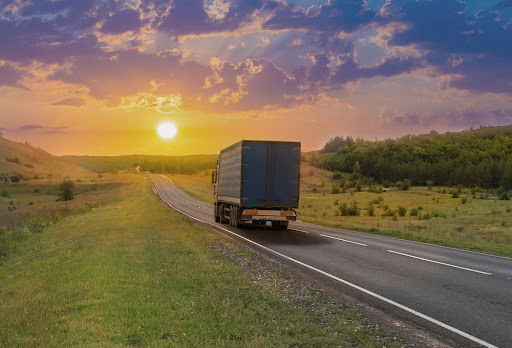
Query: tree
<point x="66" y="190"/>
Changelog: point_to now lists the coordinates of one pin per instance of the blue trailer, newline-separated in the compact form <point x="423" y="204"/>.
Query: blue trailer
<point x="257" y="181"/>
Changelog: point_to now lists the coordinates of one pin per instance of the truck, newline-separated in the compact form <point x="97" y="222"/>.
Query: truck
<point x="256" y="182"/>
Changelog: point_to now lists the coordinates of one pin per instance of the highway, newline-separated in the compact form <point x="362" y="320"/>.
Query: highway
<point x="463" y="295"/>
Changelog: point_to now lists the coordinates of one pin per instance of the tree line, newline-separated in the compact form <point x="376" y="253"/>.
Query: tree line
<point x="473" y="158"/>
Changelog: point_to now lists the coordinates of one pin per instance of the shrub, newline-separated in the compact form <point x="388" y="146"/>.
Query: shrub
<point x="429" y="184"/>
<point x="370" y="210"/>
<point x="405" y="185"/>
<point x="353" y="210"/>
<point x="335" y="189"/>
<point x="388" y="212"/>
<point x="336" y="202"/>
<point x="414" y="212"/>
<point x="36" y="190"/>
<point x="504" y="196"/>
<point x="386" y="183"/>
<point x="314" y="189"/>
<point x="29" y="165"/>
<point x="443" y="190"/>
<point x="358" y="188"/>
<point x="464" y="200"/>
<point x="459" y="188"/>
<point x="455" y="194"/>
<point x="401" y="210"/>
<point x="13" y="160"/>
<point x="66" y="190"/>
<point x="16" y="177"/>
<point x="337" y="176"/>
<point x="343" y="209"/>
<point x="5" y="194"/>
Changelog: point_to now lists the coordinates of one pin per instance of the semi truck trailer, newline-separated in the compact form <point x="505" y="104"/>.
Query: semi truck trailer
<point x="256" y="182"/>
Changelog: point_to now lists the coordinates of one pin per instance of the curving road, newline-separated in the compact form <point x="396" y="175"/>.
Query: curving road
<point x="463" y="295"/>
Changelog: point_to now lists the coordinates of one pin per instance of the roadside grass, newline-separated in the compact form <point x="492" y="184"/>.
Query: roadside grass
<point x="29" y="207"/>
<point x="483" y="225"/>
<point x="34" y="198"/>
<point x="135" y="273"/>
<point x="465" y="222"/>
<point x="198" y="185"/>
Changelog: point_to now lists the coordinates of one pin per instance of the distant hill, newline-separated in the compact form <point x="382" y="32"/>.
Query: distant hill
<point x="475" y="157"/>
<point x="156" y="164"/>
<point x="19" y="158"/>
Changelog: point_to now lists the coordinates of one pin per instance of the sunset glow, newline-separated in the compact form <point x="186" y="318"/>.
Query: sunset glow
<point x="167" y="130"/>
<point x="229" y="70"/>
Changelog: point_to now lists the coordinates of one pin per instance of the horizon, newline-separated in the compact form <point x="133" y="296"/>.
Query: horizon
<point x="100" y="78"/>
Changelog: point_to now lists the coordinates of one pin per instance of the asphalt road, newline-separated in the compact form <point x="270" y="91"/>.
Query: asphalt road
<point x="463" y="295"/>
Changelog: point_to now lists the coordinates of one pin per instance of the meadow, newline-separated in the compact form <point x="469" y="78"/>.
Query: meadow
<point x="477" y="220"/>
<point x="132" y="272"/>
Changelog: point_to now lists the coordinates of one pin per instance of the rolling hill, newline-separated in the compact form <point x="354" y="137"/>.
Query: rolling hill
<point x="19" y="158"/>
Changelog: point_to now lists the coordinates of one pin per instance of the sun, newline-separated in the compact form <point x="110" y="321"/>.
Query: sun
<point x="167" y="130"/>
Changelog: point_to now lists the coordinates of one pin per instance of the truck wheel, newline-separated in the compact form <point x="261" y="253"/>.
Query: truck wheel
<point x="216" y="214"/>
<point x="284" y="226"/>
<point x="235" y="217"/>
<point x="222" y="212"/>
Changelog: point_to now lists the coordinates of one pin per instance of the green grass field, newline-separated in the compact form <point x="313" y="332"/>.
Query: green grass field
<point x="477" y="224"/>
<point x="132" y="272"/>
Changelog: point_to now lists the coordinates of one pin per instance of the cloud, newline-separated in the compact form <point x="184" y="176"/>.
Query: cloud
<point x="504" y="4"/>
<point x="473" y="49"/>
<point x="122" y="21"/>
<point x="36" y="128"/>
<point x="11" y="77"/>
<point x="333" y="16"/>
<point x="449" y="120"/>
<point x="76" y="102"/>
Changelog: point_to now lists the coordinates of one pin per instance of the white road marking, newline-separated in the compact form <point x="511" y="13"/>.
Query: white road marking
<point x="368" y="292"/>
<point x="295" y="229"/>
<point x="440" y="263"/>
<point x="344" y="240"/>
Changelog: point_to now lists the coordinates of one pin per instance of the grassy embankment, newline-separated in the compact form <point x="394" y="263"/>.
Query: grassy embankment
<point x="133" y="272"/>
<point x="477" y="224"/>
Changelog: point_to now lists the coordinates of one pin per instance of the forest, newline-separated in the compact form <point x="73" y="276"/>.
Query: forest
<point x="146" y="163"/>
<point x="473" y="158"/>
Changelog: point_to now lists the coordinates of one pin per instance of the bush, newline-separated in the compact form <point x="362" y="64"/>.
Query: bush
<point x="429" y="184"/>
<point x="459" y="188"/>
<point x="335" y="189"/>
<point x="504" y="196"/>
<point x="5" y="194"/>
<point x="414" y="212"/>
<point x="343" y="209"/>
<point x="464" y="200"/>
<point x="314" y="189"/>
<point x="353" y="210"/>
<point x="13" y="160"/>
<point x="358" y="188"/>
<point x="28" y="165"/>
<point x="388" y="212"/>
<point x="401" y="210"/>
<point x="405" y="185"/>
<point x="386" y="183"/>
<point x="370" y="210"/>
<point x="455" y="194"/>
<point x="16" y="177"/>
<point x="336" y="202"/>
<point x="337" y="176"/>
<point x="66" y="190"/>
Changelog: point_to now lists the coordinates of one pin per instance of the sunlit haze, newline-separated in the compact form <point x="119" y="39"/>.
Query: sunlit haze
<point x="98" y="77"/>
<point x="167" y="130"/>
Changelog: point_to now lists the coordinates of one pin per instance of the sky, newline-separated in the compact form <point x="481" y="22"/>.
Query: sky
<point x="96" y="77"/>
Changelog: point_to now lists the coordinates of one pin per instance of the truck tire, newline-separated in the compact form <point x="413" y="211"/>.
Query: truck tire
<point x="216" y="214"/>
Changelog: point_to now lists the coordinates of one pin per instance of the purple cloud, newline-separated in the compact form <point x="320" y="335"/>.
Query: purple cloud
<point x="122" y="21"/>
<point x="333" y="16"/>
<point x="474" y="49"/>
<point x="10" y="77"/>
<point x="76" y="102"/>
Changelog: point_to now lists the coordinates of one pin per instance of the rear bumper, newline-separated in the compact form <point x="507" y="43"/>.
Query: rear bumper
<point x="269" y="215"/>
